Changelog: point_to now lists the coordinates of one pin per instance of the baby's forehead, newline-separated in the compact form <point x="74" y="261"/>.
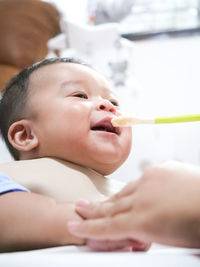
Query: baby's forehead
<point x="64" y="74"/>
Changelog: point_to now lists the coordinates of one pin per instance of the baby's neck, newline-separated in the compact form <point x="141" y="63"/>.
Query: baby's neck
<point x="75" y="166"/>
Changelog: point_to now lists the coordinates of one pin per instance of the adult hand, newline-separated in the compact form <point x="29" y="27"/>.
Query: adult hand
<point x="163" y="206"/>
<point x="26" y="26"/>
<point x="7" y="71"/>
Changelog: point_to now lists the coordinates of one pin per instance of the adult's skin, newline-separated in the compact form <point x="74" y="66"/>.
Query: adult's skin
<point x="163" y="206"/>
<point x="26" y="26"/>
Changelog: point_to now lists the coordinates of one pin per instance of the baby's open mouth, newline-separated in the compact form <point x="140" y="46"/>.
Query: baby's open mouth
<point x="105" y="125"/>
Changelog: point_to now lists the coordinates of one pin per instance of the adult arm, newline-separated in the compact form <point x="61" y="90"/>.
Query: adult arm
<point x="163" y="206"/>
<point x="30" y="221"/>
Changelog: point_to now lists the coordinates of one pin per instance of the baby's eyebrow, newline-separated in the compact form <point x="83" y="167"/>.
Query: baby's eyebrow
<point x="71" y="82"/>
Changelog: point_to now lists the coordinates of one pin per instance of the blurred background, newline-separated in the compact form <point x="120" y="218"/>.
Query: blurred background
<point x="150" y="51"/>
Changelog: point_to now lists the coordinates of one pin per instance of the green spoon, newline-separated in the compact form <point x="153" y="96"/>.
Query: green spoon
<point x="123" y="121"/>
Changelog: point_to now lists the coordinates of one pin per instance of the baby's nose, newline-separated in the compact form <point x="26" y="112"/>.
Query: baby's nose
<point x="106" y="105"/>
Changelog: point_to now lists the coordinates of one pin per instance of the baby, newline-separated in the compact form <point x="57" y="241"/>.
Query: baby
<point x="55" y="118"/>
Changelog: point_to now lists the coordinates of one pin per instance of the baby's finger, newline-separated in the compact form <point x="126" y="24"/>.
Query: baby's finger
<point x="109" y="245"/>
<point x="126" y="245"/>
<point x="142" y="247"/>
<point x="104" y="209"/>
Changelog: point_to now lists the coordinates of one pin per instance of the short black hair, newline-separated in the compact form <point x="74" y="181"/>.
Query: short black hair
<point x="14" y="97"/>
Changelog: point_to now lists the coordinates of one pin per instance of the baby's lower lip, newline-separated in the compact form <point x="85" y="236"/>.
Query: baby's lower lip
<point x="105" y="133"/>
<point x="116" y="130"/>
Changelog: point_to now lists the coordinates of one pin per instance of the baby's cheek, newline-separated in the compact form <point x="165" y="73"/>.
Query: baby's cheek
<point x="80" y="111"/>
<point x="128" y="136"/>
<point x="126" y="143"/>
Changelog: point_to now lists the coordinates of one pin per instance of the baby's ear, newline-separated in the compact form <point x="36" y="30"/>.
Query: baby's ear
<point x="22" y="137"/>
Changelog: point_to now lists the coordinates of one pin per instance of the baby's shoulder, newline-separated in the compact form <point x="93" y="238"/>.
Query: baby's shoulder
<point x="59" y="179"/>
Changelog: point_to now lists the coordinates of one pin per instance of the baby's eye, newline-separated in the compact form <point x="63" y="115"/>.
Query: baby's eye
<point x="81" y="95"/>
<point x="115" y="103"/>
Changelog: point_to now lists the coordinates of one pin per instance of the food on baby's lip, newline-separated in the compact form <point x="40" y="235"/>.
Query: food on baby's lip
<point x="122" y="121"/>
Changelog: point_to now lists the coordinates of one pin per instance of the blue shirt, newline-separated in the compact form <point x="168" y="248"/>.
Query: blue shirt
<point x="7" y="185"/>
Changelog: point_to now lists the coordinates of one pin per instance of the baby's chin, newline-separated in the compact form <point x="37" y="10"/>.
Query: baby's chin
<point x="105" y="169"/>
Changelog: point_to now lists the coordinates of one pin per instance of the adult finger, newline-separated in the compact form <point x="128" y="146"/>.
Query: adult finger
<point x="104" y="209"/>
<point x="128" y="189"/>
<point x="111" y="228"/>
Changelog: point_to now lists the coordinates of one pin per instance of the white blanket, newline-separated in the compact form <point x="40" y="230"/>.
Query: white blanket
<point x="72" y="256"/>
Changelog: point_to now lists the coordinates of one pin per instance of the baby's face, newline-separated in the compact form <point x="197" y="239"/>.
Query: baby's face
<point x="72" y="106"/>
